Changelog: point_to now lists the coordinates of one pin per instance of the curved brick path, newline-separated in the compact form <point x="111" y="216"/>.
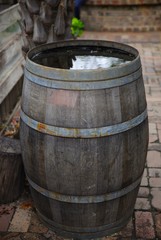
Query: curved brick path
<point x="18" y="220"/>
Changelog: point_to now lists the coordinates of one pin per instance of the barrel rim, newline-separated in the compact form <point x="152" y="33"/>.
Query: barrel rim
<point x="83" y="75"/>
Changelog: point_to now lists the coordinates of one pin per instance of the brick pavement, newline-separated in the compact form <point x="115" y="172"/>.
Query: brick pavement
<point x="18" y="220"/>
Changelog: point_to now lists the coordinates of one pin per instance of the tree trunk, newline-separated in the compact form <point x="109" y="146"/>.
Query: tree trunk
<point x="45" y="21"/>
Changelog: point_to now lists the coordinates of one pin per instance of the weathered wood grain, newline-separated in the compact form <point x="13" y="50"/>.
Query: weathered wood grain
<point x="9" y="103"/>
<point x="11" y="60"/>
<point x="10" y="53"/>
<point x="8" y="17"/>
<point x="11" y="79"/>
<point x="11" y="170"/>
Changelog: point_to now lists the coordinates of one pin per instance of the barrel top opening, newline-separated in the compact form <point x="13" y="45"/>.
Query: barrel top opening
<point x="77" y="58"/>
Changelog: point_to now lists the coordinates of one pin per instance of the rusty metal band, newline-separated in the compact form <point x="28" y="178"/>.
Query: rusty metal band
<point x="96" y="230"/>
<point x="79" y="84"/>
<point x="84" y="199"/>
<point x="83" y="133"/>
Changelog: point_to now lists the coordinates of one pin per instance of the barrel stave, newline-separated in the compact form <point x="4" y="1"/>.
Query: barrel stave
<point x="87" y="166"/>
<point x="84" y="109"/>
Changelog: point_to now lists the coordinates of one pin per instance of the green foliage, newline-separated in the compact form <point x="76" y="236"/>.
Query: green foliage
<point x="77" y="27"/>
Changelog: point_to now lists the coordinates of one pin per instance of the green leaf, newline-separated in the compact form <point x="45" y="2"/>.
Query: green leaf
<point x="77" y="27"/>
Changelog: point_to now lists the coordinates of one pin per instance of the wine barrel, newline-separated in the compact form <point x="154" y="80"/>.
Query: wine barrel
<point x="84" y="137"/>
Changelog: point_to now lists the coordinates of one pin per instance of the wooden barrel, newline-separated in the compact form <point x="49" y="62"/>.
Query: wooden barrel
<point x="84" y="137"/>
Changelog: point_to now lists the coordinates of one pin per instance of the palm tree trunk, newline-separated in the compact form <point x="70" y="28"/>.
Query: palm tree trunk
<point x="45" y="21"/>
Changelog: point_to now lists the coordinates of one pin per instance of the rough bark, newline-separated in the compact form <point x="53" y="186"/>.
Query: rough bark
<point x="45" y="21"/>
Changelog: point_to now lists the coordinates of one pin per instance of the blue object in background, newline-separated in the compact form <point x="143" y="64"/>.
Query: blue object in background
<point x="78" y="4"/>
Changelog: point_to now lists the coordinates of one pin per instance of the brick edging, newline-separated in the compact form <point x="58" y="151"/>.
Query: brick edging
<point x="138" y="18"/>
<point x="122" y="2"/>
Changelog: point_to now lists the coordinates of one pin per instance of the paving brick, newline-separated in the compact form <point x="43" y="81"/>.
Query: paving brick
<point x="155" y="147"/>
<point x="154" y="111"/>
<point x="33" y="236"/>
<point x="142" y="203"/>
<point x="6" y="213"/>
<point x="154" y="159"/>
<point x="152" y="128"/>
<point x="144" y="181"/>
<point x="148" y="91"/>
<point x="36" y="226"/>
<point x="155" y="182"/>
<point x="11" y="236"/>
<point x="145" y="173"/>
<point x="143" y="192"/>
<point x="159" y="134"/>
<point x="128" y="230"/>
<point x="159" y="126"/>
<point x="156" y="198"/>
<point x="153" y="138"/>
<point x="144" y="225"/>
<point x="110" y="238"/>
<point x="21" y="220"/>
<point x="155" y="91"/>
<point x="154" y="172"/>
<point x="157" y="219"/>
<point x="52" y="236"/>
<point x="24" y="236"/>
